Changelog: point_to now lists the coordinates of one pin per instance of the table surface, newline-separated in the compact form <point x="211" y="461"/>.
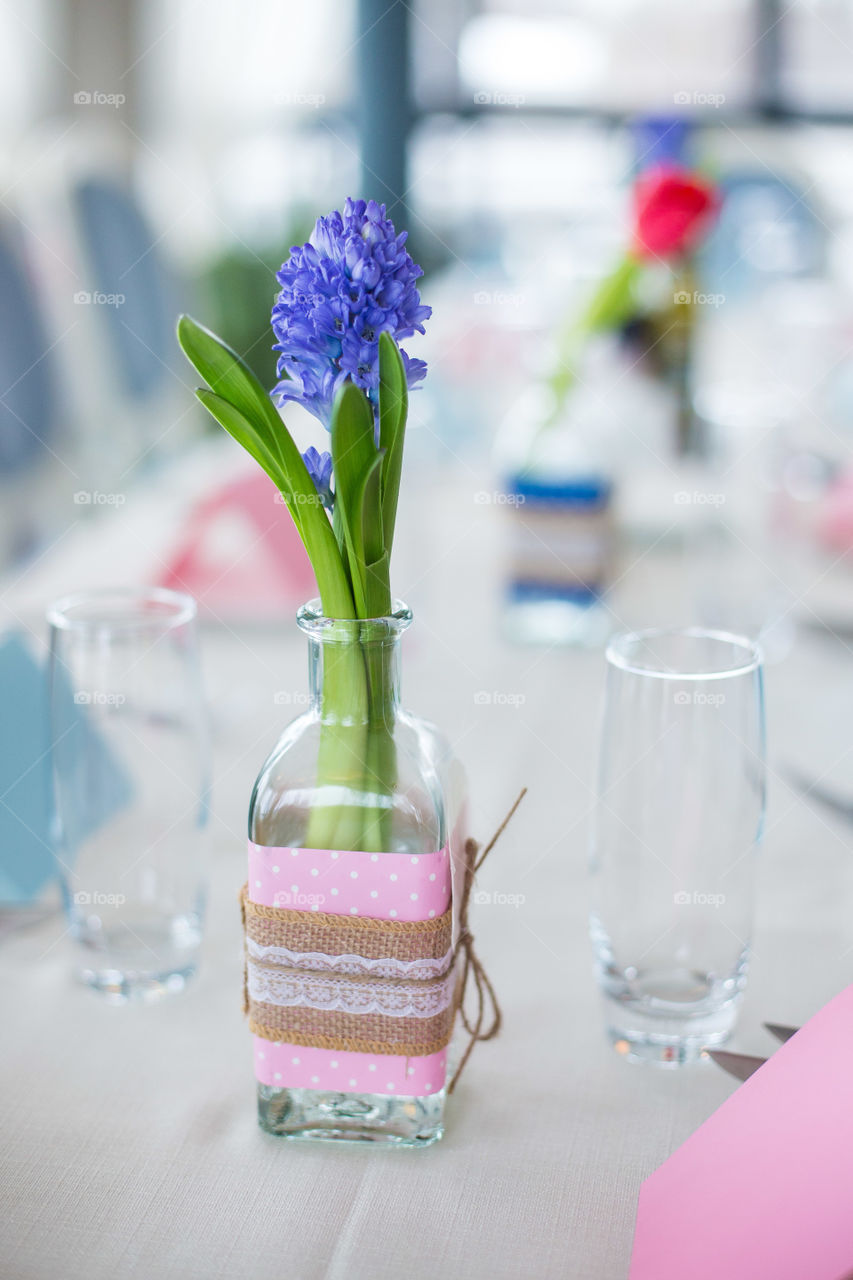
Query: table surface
<point x="130" y="1145"/>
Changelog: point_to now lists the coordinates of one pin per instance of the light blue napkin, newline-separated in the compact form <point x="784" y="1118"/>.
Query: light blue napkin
<point x="27" y="859"/>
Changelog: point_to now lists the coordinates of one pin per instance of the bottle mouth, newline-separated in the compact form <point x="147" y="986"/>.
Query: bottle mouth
<point x="311" y="619"/>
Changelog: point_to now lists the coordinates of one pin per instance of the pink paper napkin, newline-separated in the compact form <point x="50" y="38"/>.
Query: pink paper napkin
<point x="764" y="1189"/>
<point x="240" y="554"/>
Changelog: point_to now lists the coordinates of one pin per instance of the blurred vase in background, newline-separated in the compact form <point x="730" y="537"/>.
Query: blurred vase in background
<point x="558" y="497"/>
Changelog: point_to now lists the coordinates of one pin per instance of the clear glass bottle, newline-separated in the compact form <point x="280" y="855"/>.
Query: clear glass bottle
<point x="355" y="772"/>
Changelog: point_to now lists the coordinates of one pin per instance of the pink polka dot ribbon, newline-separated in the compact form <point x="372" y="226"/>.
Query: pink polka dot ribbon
<point x="383" y="886"/>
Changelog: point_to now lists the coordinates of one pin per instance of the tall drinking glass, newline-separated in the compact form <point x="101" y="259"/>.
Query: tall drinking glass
<point x="678" y="822"/>
<point x="130" y="784"/>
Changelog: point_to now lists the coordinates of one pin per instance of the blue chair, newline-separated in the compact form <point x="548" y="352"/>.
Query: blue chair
<point x="28" y="380"/>
<point x="122" y="259"/>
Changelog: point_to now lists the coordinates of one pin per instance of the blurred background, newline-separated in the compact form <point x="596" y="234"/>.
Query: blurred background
<point x="160" y="158"/>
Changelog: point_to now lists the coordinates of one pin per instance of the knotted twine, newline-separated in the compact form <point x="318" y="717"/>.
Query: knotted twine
<point x="336" y="935"/>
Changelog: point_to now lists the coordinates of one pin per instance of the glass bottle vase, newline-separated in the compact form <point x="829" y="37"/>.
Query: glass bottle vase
<point x="350" y="816"/>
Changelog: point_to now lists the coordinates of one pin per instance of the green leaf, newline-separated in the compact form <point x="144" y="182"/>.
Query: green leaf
<point x="245" y="434"/>
<point x="369" y="510"/>
<point x="298" y="491"/>
<point x="610" y="306"/>
<point x="230" y="377"/>
<point x="377" y="590"/>
<point x="613" y="301"/>
<point x="341" y="538"/>
<point x="393" y="410"/>
<point x="356" y="463"/>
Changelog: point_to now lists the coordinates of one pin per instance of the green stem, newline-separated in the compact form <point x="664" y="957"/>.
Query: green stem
<point x="610" y="306"/>
<point x="343" y="741"/>
<point x="381" y="755"/>
<point x="357" y="750"/>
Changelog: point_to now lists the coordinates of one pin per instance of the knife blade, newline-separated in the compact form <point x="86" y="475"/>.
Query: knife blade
<point x="781" y="1033"/>
<point x="739" y="1065"/>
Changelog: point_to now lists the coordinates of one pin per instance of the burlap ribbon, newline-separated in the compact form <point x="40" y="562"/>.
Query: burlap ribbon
<point x="421" y="1010"/>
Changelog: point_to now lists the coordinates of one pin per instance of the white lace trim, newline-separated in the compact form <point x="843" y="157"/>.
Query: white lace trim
<point x="383" y="967"/>
<point x="315" y="991"/>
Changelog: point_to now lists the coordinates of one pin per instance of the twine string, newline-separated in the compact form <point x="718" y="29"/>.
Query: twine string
<point x="488" y="1009"/>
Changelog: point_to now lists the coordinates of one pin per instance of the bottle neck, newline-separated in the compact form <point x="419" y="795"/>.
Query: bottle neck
<point x="354" y="681"/>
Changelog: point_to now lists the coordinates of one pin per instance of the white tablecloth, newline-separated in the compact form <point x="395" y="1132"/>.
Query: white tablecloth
<point x="130" y="1145"/>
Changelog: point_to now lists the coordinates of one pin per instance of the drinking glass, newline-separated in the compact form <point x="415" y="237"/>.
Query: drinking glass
<point x="678" y="822"/>
<point x="130" y="786"/>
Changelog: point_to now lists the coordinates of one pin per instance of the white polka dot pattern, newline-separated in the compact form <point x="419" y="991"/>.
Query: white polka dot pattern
<point x="278" y="1065"/>
<point x="387" y="886"/>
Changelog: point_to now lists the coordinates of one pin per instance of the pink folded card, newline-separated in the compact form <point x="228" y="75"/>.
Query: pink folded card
<point x="240" y="554"/>
<point x="764" y="1189"/>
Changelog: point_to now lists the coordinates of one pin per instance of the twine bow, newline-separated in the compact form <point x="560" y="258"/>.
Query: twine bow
<point x="472" y="965"/>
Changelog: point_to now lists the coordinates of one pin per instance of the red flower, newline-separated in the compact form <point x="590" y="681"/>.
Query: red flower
<point x="672" y="209"/>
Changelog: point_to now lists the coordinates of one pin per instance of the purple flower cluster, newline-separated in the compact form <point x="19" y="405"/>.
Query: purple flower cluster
<point x="352" y="281"/>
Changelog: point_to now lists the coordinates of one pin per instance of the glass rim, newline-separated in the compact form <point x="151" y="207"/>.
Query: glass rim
<point x="176" y="608"/>
<point x="311" y="619"/>
<point x="617" y="656"/>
